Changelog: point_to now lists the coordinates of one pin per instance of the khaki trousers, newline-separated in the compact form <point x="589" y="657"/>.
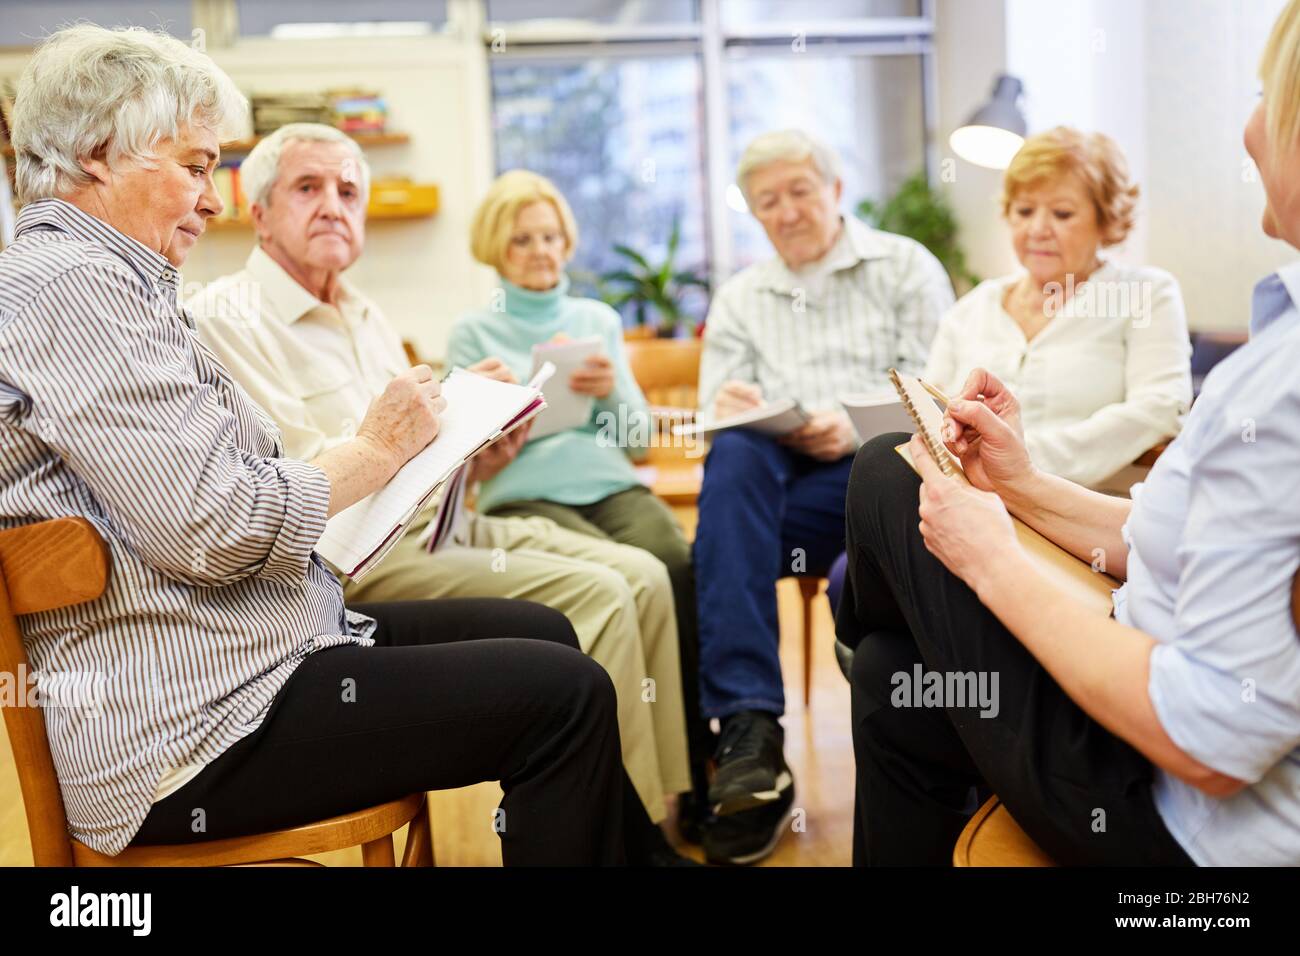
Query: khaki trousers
<point x="617" y="597"/>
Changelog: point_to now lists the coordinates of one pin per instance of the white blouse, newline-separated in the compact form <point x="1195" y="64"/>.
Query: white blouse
<point x="1108" y="377"/>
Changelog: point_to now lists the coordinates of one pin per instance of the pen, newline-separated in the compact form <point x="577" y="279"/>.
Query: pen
<point x="939" y="396"/>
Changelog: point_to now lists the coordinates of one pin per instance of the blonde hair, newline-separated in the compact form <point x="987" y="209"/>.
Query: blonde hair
<point x="494" y="220"/>
<point x="1279" y="72"/>
<point x="1095" y="158"/>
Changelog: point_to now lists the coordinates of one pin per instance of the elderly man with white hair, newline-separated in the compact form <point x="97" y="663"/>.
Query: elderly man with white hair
<point x="314" y="351"/>
<point x="221" y="642"/>
<point x="830" y="314"/>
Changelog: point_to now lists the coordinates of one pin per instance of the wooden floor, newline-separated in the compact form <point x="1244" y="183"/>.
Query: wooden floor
<point x="818" y="747"/>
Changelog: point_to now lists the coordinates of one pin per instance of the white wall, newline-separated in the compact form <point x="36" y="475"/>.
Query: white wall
<point x="1173" y="81"/>
<point x="419" y="272"/>
<point x="970" y="50"/>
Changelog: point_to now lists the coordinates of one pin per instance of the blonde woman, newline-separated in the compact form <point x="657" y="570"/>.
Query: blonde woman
<point x="1097" y="352"/>
<point x="578" y="478"/>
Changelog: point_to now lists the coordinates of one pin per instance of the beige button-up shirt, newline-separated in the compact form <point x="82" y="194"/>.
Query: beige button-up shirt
<point x="314" y="367"/>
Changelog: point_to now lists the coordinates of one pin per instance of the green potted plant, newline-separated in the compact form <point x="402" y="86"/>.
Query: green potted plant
<point x="922" y="213"/>
<point x="652" y="286"/>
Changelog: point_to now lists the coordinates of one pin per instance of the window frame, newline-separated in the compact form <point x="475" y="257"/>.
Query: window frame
<point x="715" y="44"/>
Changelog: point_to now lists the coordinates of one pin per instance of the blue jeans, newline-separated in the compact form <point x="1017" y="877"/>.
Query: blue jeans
<point x="766" y="512"/>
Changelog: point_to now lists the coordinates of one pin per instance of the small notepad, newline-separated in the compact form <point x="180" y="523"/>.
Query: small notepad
<point x="1075" y="577"/>
<point x="565" y="408"/>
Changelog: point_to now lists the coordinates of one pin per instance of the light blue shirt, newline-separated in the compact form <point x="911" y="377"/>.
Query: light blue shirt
<point x="1214" y="539"/>
<point x="581" y="465"/>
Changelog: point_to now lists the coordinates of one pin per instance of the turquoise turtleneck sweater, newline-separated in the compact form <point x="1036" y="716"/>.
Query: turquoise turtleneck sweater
<point x="572" y="467"/>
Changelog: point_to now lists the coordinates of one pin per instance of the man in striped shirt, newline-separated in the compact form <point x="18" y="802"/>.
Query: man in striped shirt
<point x="838" y="306"/>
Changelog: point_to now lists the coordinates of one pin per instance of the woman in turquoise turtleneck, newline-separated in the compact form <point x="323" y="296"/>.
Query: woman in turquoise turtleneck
<point x="579" y="478"/>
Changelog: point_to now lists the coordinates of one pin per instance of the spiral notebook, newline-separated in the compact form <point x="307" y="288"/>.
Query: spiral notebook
<point x="1075" y="577"/>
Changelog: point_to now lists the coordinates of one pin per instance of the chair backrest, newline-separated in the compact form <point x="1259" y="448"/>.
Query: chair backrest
<point x="43" y="567"/>
<point x="668" y="370"/>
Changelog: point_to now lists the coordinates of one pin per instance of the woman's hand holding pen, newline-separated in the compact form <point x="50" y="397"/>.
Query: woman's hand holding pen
<point x="982" y="427"/>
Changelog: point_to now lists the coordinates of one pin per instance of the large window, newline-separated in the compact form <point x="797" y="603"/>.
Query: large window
<point x="621" y="138"/>
<point x="639" y="111"/>
<point x="868" y="108"/>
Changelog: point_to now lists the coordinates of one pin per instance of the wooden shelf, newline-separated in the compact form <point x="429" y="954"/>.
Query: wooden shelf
<point x="363" y="139"/>
<point x="372" y="215"/>
<point x="244" y="145"/>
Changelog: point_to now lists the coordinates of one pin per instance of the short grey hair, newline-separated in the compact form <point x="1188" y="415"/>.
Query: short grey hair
<point x="259" y="171"/>
<point x="789" y="146"/>
<point x="89" y="91"/>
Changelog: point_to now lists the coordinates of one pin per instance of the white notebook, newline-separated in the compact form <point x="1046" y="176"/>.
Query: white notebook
<point x="565" y="408"/>
<point x="876" y="413"/>
<point x="479" y="410"/>
<point x="772" y="418"/>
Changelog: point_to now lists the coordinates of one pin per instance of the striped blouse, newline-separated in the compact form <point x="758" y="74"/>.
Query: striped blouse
<point x="112" y="409"/>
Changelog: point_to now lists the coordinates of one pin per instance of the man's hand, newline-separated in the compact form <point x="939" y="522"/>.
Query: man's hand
<point x="488" y="463"/>
<point x="828" y="436"/>
<point x="965" y="528"/>
<point x="595" y="378"/>
<point x="735" y="397"/>
<point x="983" y="429"/>
<point x="493" y="368"/>
<point x="404" y="418"/>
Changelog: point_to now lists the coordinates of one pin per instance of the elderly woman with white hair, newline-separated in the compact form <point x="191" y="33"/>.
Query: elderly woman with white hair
<point x="222" y="641"/>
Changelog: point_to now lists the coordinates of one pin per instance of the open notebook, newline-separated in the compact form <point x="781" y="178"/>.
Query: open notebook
<point x="771" y="418"/>
<point x="1077" y="578"/>
<point x="479" y="410"/>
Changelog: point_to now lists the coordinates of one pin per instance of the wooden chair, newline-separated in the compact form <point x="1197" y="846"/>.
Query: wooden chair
<point x="63" y="562"/>
<point x="668" y="371"/>
<point x="993" y="838"/>
<point x="810" y="587"/>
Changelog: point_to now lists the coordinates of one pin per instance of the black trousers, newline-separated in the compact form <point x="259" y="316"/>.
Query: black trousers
<point x="1081" y="793"/>
<point x="455" y="692"/>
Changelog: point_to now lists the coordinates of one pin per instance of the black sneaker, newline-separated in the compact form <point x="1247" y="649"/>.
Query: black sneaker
<point x="750" y="835"/>
<point x="751" y="767"/>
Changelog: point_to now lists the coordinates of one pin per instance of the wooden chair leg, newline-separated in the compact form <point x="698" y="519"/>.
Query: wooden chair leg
<point x="809" y="589"/>
<point x="378" y="852"/>
<point x="419" y="840"/>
